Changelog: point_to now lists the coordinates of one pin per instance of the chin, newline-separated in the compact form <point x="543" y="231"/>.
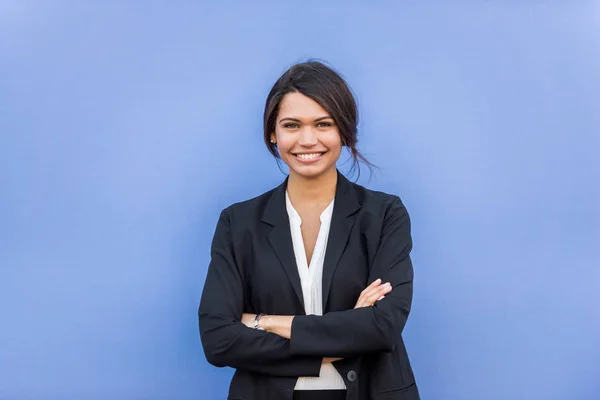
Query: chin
<point x="310" y="171"/>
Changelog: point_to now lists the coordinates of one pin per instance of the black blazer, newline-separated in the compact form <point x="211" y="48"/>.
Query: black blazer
<point x="253" y="269"/>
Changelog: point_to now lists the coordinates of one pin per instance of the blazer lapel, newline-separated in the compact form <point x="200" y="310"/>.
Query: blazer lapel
<point x="281" y="238"/>
<point x="343" y="218"/>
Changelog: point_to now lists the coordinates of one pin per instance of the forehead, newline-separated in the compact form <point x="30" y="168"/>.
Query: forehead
<point x="297" y="105"/>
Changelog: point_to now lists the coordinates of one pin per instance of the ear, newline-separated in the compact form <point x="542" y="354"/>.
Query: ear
<point x="273" y="138"/>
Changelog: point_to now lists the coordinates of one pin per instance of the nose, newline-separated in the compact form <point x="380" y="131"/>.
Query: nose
<point x="308" y="137"/>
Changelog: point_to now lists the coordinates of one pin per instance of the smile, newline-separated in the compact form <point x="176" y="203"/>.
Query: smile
<point x="308" y="156"/>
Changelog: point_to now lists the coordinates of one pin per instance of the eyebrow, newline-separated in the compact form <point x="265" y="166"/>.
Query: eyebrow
<point x="297" y="120"/>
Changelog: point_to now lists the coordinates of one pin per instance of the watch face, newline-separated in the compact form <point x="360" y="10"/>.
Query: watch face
<point x="256" y="321"/>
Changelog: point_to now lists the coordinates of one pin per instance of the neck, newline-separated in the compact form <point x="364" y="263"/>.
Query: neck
<point x="315" y="190"/>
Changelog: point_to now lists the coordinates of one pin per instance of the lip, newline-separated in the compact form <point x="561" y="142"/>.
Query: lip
<point x="311" y="160"/>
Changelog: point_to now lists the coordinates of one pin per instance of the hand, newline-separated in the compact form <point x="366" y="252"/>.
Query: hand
<point x="374" y="292"/>
<point x="248" y="320"/>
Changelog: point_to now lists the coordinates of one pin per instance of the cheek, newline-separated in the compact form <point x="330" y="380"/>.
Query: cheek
<point x="284" y="144"/>
<point x="333" y="141"/>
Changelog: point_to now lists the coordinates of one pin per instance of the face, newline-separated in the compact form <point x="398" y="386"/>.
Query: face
<point x="307" y="138"/>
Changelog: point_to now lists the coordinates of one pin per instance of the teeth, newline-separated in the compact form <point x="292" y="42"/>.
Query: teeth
<point x="309" y="156"/>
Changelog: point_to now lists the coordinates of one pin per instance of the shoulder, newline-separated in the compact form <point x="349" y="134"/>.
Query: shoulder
<point x="386" y="213"/>
<point x="378" y="202"/>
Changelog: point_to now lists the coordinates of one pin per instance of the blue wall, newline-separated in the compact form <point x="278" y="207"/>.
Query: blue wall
<point x="126" y="128"/>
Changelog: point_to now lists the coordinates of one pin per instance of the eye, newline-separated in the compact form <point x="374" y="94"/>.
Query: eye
<point x="324" y="124"/>
<point x="290" y="125"/>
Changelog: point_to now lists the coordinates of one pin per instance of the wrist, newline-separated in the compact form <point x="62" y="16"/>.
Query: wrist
<point x="264" y="322"/>
<point x="258" y="322"/>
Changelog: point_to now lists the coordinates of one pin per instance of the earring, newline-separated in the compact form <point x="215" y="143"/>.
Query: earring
<point x="272" y="141"/>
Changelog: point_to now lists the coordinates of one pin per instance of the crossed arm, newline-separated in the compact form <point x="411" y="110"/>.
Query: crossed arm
<point x="297" y="345"/>
<point x="282" y="324"/>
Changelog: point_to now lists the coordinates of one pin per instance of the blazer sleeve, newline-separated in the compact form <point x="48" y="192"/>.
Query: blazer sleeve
<point x="368" y="329"/>
<point x="225" y="339"/>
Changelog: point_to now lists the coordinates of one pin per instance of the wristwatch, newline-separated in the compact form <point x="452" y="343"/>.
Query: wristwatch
<point x="256" y="326"/>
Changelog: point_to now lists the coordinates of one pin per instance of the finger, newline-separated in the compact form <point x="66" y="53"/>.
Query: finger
<point x="371" y="288"/>
<point x="369" y="300"/>
<point x="385" y="289"/>
<point x="375" y="283"/>
<point x="362" y="301"/>
<point x="378" y="294"/>
<point x="375" y="297"/>
<point x="367" y="291"/>
<point x="378" y="291"/>
<point x="365" y="296"/>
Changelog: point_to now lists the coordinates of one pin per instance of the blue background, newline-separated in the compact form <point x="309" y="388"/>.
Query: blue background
<point x="125" y="127"/>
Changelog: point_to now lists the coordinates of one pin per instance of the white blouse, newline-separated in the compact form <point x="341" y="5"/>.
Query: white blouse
<point x="312" y="289"/>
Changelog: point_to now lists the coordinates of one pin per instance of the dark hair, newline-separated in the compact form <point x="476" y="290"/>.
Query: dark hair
<point x="325" y="86"/>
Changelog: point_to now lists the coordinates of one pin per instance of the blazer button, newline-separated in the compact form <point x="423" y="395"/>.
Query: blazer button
<point x="351" y="375"/>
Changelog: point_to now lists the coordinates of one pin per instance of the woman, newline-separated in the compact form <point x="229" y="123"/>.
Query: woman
<point x="310" y="284"/>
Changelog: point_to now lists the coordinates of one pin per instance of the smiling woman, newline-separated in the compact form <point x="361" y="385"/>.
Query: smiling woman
<point x="306" y="136"/>
<point x="334" y="255"/>
<point x="315" y="96"/>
